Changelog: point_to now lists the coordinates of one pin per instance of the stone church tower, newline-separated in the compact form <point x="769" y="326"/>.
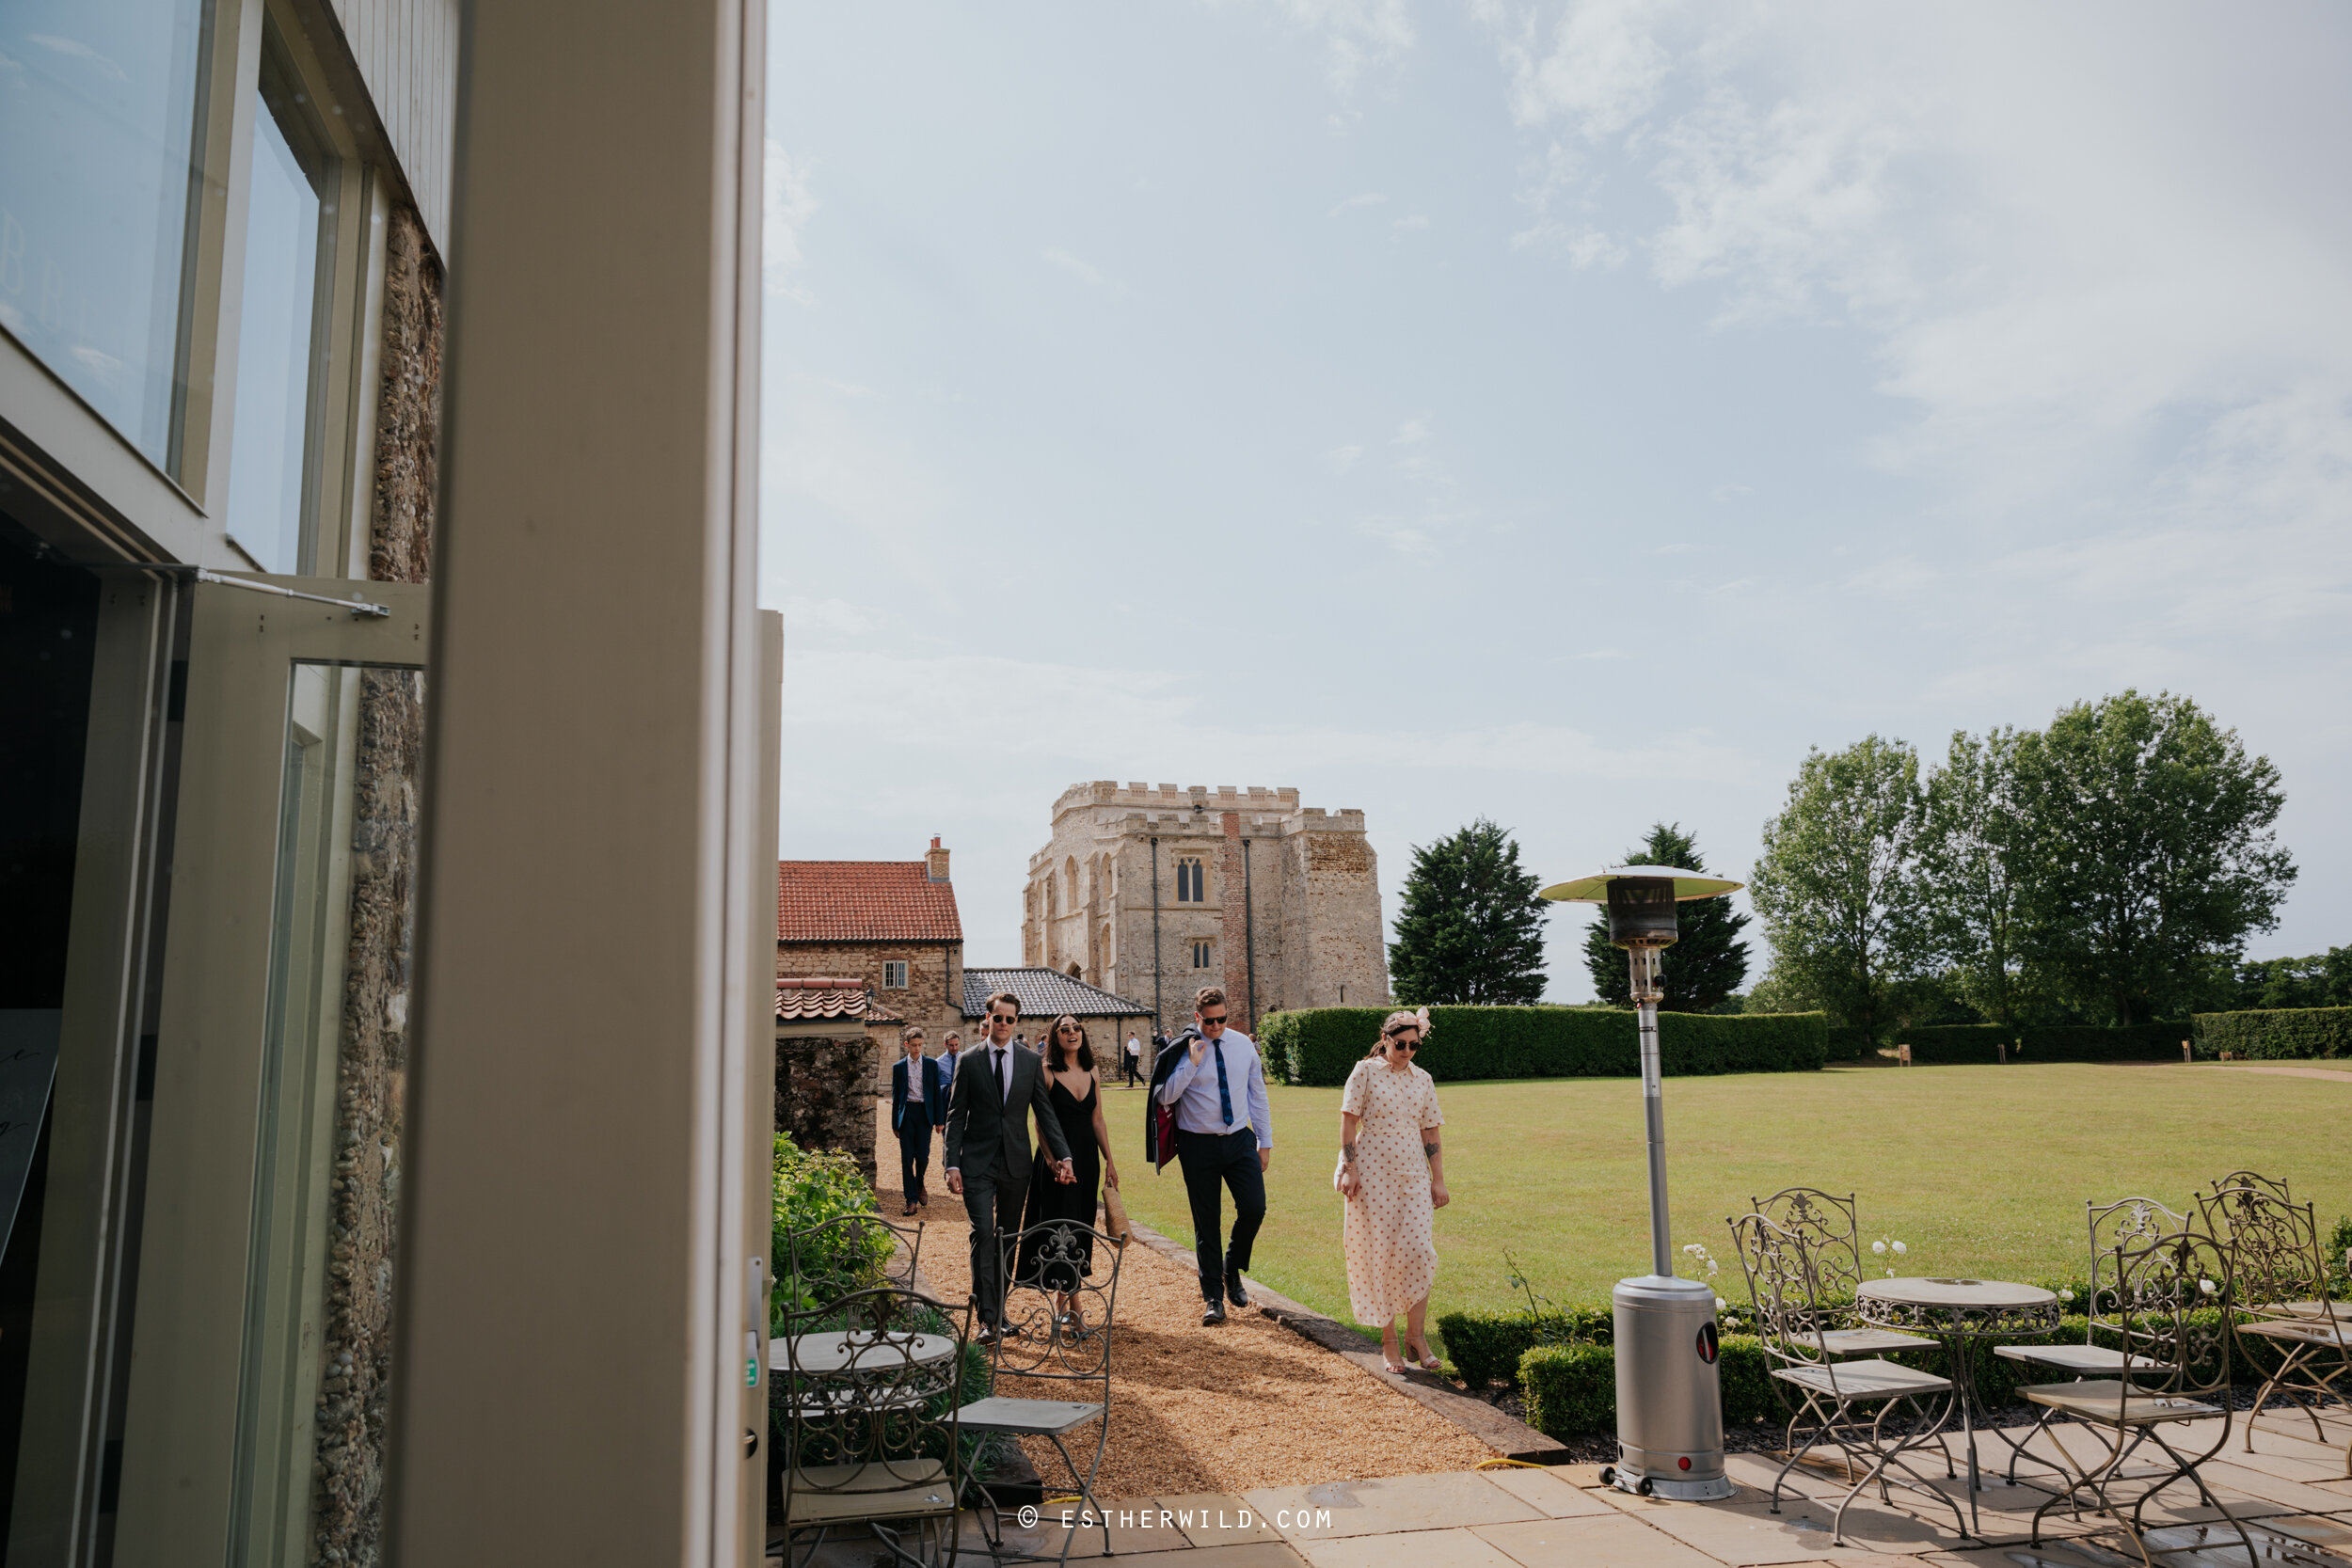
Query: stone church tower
<point x="1154" y="893"/>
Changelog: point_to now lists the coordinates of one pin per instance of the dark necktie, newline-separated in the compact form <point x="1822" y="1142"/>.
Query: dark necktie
<point x="1224" y="1091"/>
<point x="1004" y="1090"/>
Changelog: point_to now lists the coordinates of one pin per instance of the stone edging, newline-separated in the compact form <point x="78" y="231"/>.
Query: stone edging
<point x="1510" y="1438"/>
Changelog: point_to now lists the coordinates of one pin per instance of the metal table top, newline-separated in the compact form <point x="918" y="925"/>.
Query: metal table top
<point x="1957" y="1307"/>
<point x="830" y="1350"/>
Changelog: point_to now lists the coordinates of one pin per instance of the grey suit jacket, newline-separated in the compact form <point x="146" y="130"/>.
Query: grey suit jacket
<point x="988" y="1134"/>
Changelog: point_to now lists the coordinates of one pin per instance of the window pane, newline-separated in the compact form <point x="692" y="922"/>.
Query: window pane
<point x="267" y="464"/>
<point x="97" y="166"/>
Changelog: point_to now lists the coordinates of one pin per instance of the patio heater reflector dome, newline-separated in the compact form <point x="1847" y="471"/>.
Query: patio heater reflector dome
<point x="1670" y="1408"/>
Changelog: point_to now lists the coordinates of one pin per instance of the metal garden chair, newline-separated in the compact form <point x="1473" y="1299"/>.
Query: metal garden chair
<point x="1842" y="1404"/>
<point x="866" y="1389"/>
<point x="1831" y="1230"/>
<point x="2100" y="1354"/>
<point x="2281" y="1295"/>
<point x="2165" y="1291"/>
<point x="860" y="1250"/>
<point x="1061" y="1296"/>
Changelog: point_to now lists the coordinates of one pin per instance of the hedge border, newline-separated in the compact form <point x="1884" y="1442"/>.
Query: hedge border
<point x="2276" y="1033"/>
<point x="1946" y="1044"/>
<point x="1321" y="1046"/>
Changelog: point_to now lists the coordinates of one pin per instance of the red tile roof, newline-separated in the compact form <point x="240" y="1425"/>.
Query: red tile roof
<point x="821" y="998"/>
<point x="864" y="901"/>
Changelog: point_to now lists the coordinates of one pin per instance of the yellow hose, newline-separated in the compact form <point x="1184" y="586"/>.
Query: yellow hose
<point x="1507" y="1465"/>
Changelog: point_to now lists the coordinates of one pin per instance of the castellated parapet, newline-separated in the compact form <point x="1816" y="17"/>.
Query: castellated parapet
<point x="1277" y="902"/>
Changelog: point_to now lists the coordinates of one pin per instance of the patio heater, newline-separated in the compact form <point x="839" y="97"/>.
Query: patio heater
<point x="1670" y="1405"/>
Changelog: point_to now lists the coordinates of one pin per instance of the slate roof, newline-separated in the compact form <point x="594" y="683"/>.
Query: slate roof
<point x="1045" y="993"/>
<point x="864" y="901"/>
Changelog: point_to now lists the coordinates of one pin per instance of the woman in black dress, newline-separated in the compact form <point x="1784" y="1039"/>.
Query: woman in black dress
<point x="1075" y="1089"/>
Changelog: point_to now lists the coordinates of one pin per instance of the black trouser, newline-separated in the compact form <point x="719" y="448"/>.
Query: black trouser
<point x="994" y="1200"/>
<point x="1133" y="1062"/>
<point x="914" y="1154"/>
<point x="1230" y="1157"/>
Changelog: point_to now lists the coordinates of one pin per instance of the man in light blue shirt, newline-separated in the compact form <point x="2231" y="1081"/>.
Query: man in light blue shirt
<point x="1224" y="1138"/>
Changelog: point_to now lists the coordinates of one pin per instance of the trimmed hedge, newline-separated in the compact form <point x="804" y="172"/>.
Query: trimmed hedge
<point x="1949" y="1043"/>
<point x="2298" y="1033"/>
<point x="1322" y="1045"/>
<point x="1572" y="1389"/>
<point x="1485" y="1347"/>
<point x="1850" y="1042"/>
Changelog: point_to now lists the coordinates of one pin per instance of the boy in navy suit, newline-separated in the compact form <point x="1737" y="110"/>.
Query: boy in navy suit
<point x="918" y="1105"/>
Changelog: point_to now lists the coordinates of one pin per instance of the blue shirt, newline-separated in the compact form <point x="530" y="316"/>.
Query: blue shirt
<point x="1191" y="1088"/>
<point x="948" y="1071"/>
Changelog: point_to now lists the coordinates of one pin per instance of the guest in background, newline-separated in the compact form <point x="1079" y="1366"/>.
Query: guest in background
<point x="948" y="1054"/>
<point x="1224" y="1140"/>
<point x="1391" y="1172"/>
<point x="918" y="1105"/>
<point x="1074" y="1087"/>
<point x="988" y="1149"/>
<point x="1135" y="1059"/>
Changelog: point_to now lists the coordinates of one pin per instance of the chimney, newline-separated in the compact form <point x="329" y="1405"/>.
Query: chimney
<point x="936" y="861"/>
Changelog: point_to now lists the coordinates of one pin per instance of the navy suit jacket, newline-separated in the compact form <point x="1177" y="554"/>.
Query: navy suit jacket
<point x="934" y="1099"/>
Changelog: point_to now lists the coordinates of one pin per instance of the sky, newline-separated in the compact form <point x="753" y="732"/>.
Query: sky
<point x="1567" y="414"/>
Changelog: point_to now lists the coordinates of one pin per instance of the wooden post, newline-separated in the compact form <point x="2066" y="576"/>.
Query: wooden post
<point x="2001" y="1050"/>
<point x="1902" y="1054"/>
<point x="2187" y="1054"/>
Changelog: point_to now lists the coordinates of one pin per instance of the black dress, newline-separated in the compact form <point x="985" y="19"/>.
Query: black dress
<point x="1072" y="1254"/>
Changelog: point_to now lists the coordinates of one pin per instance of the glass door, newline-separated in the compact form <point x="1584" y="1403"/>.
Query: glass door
<point x="253" y="1432"/>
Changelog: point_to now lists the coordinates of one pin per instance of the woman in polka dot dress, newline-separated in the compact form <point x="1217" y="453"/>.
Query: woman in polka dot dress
<point x="1391" y="1172"/>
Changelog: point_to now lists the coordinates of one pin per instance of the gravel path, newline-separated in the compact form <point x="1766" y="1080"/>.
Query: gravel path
<point x="1228" y="1409"/>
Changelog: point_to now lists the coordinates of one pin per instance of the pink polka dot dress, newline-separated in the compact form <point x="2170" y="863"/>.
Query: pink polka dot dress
<point x="1391" y="1255"/>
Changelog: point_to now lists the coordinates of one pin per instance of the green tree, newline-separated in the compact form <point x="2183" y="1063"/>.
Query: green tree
<point x="1976" y="868"/>
<point x="2156" y="849"/>
<point x="1836" y="885"/>
<point x="1472" y="930"/>
<point x="1708" y="962"/>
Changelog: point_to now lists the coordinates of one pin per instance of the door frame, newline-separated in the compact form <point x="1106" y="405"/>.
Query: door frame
<point x="188" y="1340"/>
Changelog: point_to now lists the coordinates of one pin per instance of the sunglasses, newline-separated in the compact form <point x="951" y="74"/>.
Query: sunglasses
<point x="1403" y="1044"/>
<point x="1003" y="1017"/>
<point x="1219" y="1019"/>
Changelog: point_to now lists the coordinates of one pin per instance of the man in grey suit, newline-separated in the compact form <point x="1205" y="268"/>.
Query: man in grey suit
<point x="998" y="1083"/>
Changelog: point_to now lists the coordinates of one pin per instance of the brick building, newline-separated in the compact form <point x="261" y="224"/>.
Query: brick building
<point x="890" y="924"/>
<point x="1152" y="892"/>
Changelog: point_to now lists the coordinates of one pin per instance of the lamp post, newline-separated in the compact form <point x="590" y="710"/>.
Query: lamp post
<point x="1670" y="1405"/>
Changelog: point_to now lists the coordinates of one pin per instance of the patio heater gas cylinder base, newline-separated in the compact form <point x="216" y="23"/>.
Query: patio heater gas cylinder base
<point x="1670" y="1405"/>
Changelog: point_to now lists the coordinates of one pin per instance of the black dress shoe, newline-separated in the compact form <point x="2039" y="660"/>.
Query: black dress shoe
<point x="1213" y="1314"/>
<point x="1232" y="1287"/>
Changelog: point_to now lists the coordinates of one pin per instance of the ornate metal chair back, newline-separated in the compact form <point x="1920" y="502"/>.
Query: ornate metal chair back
<point x="2124" y="1223"/>
<point x="2274" y="1248"/>
<point x="1051" y="1263"/>
<point x="849" y="1252"/>
<point x="868" y="1393"/>
<point x="2170" y="1293"/>
<point x="1784" y="1285"/>
<point x="1830" y="1229"/>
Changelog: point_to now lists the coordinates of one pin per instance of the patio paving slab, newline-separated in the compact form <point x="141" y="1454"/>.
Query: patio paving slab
<point x="1251" y="1554"/>
<point x="1444" y="1501"/>
<point x="1590" y="1541"/>
<point x="1549" y="1493"/>
<point x="1455" y="1548"/>
<point x="2231" y="1472"/>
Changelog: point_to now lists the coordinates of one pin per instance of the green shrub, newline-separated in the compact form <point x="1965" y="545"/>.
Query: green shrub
<point x="1746" y="1376"/>
<point x="2297" y="1034"/>
<point x="1486" y="1346"/>
<point x="1942" y="1044"/>
<point x="1322" y="1045"/>
<point x="1850" y="1042"/>
<point x="1571" y="1389"/>
<point x="811" y="1187"/>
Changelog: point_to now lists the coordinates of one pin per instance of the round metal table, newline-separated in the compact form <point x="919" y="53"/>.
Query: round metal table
<point x="1958" y="1313"/>
<point x="831" y="1353"/>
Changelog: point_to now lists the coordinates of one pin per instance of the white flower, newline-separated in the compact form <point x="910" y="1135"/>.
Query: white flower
<point x="1890" y="1273"/>
<point x="1722" y="1305"/>
<point x="2066" y="1295"/>
<point x="2207" y="1286"/>
<point x="1900" y="1249"/>
<point x="1879" y="1247"/>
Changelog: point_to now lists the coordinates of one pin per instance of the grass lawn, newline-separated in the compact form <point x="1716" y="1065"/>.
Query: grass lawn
<point x="1982" y="1170"/>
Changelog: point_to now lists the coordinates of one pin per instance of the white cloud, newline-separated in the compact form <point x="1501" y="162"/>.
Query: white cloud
<point x="785" y="211"/>
<point x="1340" y="459"/>
<point x="1086" y="272"/>
<point x="1369" y="198"/>
<point x="1359" y="35"/>
<point x="1416" y="220"/>
<point x="1412" y="432"/>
